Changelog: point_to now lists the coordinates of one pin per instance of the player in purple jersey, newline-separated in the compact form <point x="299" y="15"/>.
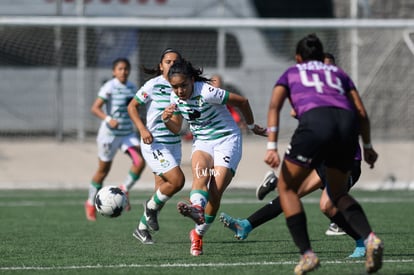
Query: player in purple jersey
<point x="316" y="180"/>
<point x="331" y="114"/>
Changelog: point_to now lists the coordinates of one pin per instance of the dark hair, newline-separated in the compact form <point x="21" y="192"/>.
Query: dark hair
<point x="310" y="48"/>
<point x="330" y="56"/>
<point x="156" y="70"/>
<point x="186" y="68"/>
<point x="121" y="60"/>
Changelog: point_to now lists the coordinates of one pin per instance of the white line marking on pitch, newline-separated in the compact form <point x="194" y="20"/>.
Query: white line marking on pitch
<point x="185" y="265"/>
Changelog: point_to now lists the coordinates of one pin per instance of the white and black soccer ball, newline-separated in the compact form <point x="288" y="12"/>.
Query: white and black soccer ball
<point x="110" y="201"/>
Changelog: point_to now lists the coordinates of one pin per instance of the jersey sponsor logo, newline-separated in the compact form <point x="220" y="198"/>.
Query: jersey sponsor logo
<point x="303" y="159"/>
<point x="162" y="90"/>
<point x="193" y="114"/>
<point x="205" y="123"/>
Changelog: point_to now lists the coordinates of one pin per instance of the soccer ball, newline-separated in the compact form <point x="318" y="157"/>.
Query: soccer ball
<point x="110" y="201"/>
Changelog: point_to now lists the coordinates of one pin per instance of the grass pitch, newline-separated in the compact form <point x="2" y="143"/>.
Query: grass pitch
<point x="45" y="232"/>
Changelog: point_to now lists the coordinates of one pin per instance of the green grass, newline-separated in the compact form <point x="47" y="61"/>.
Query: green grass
<point x="45" y="232"/>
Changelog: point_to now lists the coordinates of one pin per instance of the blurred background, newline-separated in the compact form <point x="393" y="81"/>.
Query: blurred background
<point x="51" y="69"/>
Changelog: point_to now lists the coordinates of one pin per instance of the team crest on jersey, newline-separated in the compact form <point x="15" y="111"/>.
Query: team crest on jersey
<point x="198" y="100"/>
<point x="164" y="163"/>
<point x="144" y="94"/>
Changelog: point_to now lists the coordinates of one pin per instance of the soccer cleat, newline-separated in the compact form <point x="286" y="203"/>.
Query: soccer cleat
<point x="194" y="212"/>
<point x="334" y="230"/>
<point x="90" y="211"/>
<point x="151" y="216"/>
<point x="196" y="243"/>
<point x="359" y="252"/>
<point x="375" y="248"/>
<point x="143" y="236"/>
<point x="128" y="206"/>
<point x="240" y="227"/>
<point x="308" y="262"/>
<point x="268" y="184"/>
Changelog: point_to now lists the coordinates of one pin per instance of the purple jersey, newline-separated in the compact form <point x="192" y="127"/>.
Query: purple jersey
<point x="314" y="84"/>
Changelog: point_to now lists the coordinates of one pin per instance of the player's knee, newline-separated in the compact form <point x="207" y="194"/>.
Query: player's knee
<point x="327" y="208"/>
<point x="323" y="207"/>
<point x="174" y="178"/>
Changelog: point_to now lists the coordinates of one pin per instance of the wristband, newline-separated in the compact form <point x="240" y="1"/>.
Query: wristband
<point x="272" y="129"/>
<point x="165" y="120"/>
<point x="108" y="119"/>
<point x="271" y="145"/>
<point x="250" y="126"/>
<point x="367" y="146"/>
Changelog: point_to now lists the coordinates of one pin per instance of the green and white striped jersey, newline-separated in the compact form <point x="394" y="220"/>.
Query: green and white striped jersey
<point x="117" y="96"/>
<point x="155" y="95"/>
<point x="206" y="112"/>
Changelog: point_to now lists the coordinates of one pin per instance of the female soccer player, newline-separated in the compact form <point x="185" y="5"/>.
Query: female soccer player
<point x="116" y="132"/>
<point x="217" y="144"/>
<point x="330" y="114"/>
<point x="161" y="148"/>
<point x="315" y="180"/>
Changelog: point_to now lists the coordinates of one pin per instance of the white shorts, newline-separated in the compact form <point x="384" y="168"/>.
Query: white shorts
<point x="226" y="151"/>
<point x="161" y="157"/>
<point x="108" y="145"/>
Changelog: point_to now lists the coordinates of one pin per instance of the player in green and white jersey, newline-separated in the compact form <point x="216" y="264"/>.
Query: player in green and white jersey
<point x="217" y="143"/>
<point x="116" y="132"/>
<point x="160" y="147"/>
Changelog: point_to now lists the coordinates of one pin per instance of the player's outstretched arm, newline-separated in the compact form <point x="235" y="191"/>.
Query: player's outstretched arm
<point x="243" y="104"/>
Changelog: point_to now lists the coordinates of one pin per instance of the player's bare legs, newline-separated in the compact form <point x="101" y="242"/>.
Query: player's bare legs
<point x="203" y="172"/>
<point x="166" y="186"/>
<point x="218" y="185"/>
<point x="102" y="171"/>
